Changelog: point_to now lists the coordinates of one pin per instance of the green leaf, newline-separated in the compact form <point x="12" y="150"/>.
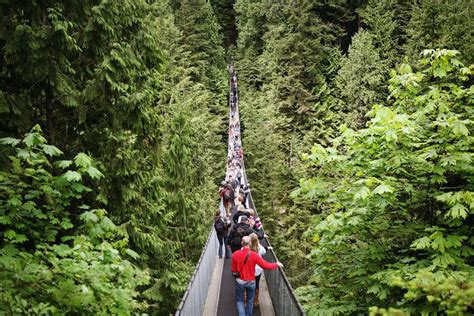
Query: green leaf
<point x="107" y="224"/>
<point x="445" y="197"/>
<point x="439" y="243"/>
<point x="5" y="220"/>
<point x="439" y="72"/>
<point x="66" y="224"/>
<point x="89" y="217"/>
<point x="405" y="69"/>
<point x="72" y="176"/>
<point x="63" y="163"/>
<point x="82" y="160"/>
<point x="23" y="153"/>
<point x="9" y="141"/>
<point x="443" y="260"/>
<point x="51" y="150"/>
<point x="457" y="211"/>
<point x="362" y="193"/>
<point x="422" y="243"/>
<point x="94" y="173"/>
<point x="132" y="254"/>
<point x="32" y="139"/>
<point x="459" y="128"/>
<point x="383" y="188"/>
<point x="9" y="234"/>
<point x="19" y="238"/>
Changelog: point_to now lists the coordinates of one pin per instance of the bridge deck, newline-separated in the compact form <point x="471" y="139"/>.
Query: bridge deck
<point x="221" y="294"/>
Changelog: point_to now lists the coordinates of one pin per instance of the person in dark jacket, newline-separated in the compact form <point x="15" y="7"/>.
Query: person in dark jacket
<point x="238" y="231"/>
<point x="222" y="225"/>
<point x="245" y="190"/>
<point x="240" y="212"/>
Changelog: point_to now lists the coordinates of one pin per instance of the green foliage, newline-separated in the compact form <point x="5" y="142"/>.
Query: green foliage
<point x="396" y="200"/>
<point x="359" y="78"/>
<point x="440" y="24"/>
<point x="386" y="21"/>
<point x="111" y="78"/>
<point x="140" y="86"/>
<point x="225" y="14"/>
<point x="287" y="51"/>
<point x="58" y="255"/>
<point x="297" y="87"/>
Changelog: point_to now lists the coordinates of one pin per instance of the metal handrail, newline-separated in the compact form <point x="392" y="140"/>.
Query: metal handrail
<point x="190" y="307"/>
<point x="280" y="302"/>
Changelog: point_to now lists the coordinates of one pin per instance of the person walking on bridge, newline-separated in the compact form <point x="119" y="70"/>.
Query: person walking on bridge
<point x="243" y="268"/>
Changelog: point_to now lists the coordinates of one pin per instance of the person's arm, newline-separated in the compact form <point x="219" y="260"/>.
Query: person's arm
<point x="233" y="267"/>
<point x="231" y="236"/>
<point x="265" y="264"/>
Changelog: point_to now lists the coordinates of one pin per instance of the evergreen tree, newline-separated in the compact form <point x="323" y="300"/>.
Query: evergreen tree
<point x="440" y="24"/>
<point x="381" y="20"/>
<point x="251" y="25"/>
<point x="359" y="79"/>
<point x="224" y="11"/>
<point x="106" y="78"/>
<point x="201" y="38"/>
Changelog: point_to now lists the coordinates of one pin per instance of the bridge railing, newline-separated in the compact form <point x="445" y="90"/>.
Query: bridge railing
<point x="283" y="297"/>
<point x="194" y="298"/>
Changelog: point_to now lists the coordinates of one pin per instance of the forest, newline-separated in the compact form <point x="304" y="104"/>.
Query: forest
<point x="357" y="122"/>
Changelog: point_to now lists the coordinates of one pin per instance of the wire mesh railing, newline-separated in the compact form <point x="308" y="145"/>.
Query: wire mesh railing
<point x="283" y="297"/>
<point x="194" y="298"/>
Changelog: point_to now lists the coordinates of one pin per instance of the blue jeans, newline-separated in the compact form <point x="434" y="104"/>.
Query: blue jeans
<point x="248" y="286"/>
<point x="223" y="243"/>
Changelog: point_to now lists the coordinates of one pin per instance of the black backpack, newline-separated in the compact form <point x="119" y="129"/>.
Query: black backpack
<point x="219" y="226"/>
<point x="236" y="242"/>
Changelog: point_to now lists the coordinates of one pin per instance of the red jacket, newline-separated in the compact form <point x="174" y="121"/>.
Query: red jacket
<point x="247" y="271"/>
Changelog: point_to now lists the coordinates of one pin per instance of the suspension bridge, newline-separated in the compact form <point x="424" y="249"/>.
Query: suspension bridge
<point x="211" y="289"/>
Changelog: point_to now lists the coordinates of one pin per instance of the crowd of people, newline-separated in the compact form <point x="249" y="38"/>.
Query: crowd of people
<point x="238" y="229"/>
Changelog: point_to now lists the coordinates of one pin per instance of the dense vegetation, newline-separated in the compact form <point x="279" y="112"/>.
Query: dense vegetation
<point x="357" y="124"/>
<point x="366" y="178"/>
<point x="131" y="92"/>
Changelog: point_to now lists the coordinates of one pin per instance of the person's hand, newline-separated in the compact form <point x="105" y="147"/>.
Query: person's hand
<point x="265" y="235"/>
<point x="280" y="264"/>
<point x="269" y="247"/>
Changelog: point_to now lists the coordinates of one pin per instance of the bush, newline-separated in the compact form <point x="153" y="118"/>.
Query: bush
<point x="397" y="200"/>
<point x="57" y="254"/>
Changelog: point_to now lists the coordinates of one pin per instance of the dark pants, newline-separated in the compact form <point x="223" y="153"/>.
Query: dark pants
<point x="257" y="281"/>
<point x="223" y="243"/>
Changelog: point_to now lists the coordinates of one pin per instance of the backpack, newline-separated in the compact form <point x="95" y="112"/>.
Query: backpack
<point x="227" y="195"/>
<point x="236" y="242"/>
<point x="219" y="226"/>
